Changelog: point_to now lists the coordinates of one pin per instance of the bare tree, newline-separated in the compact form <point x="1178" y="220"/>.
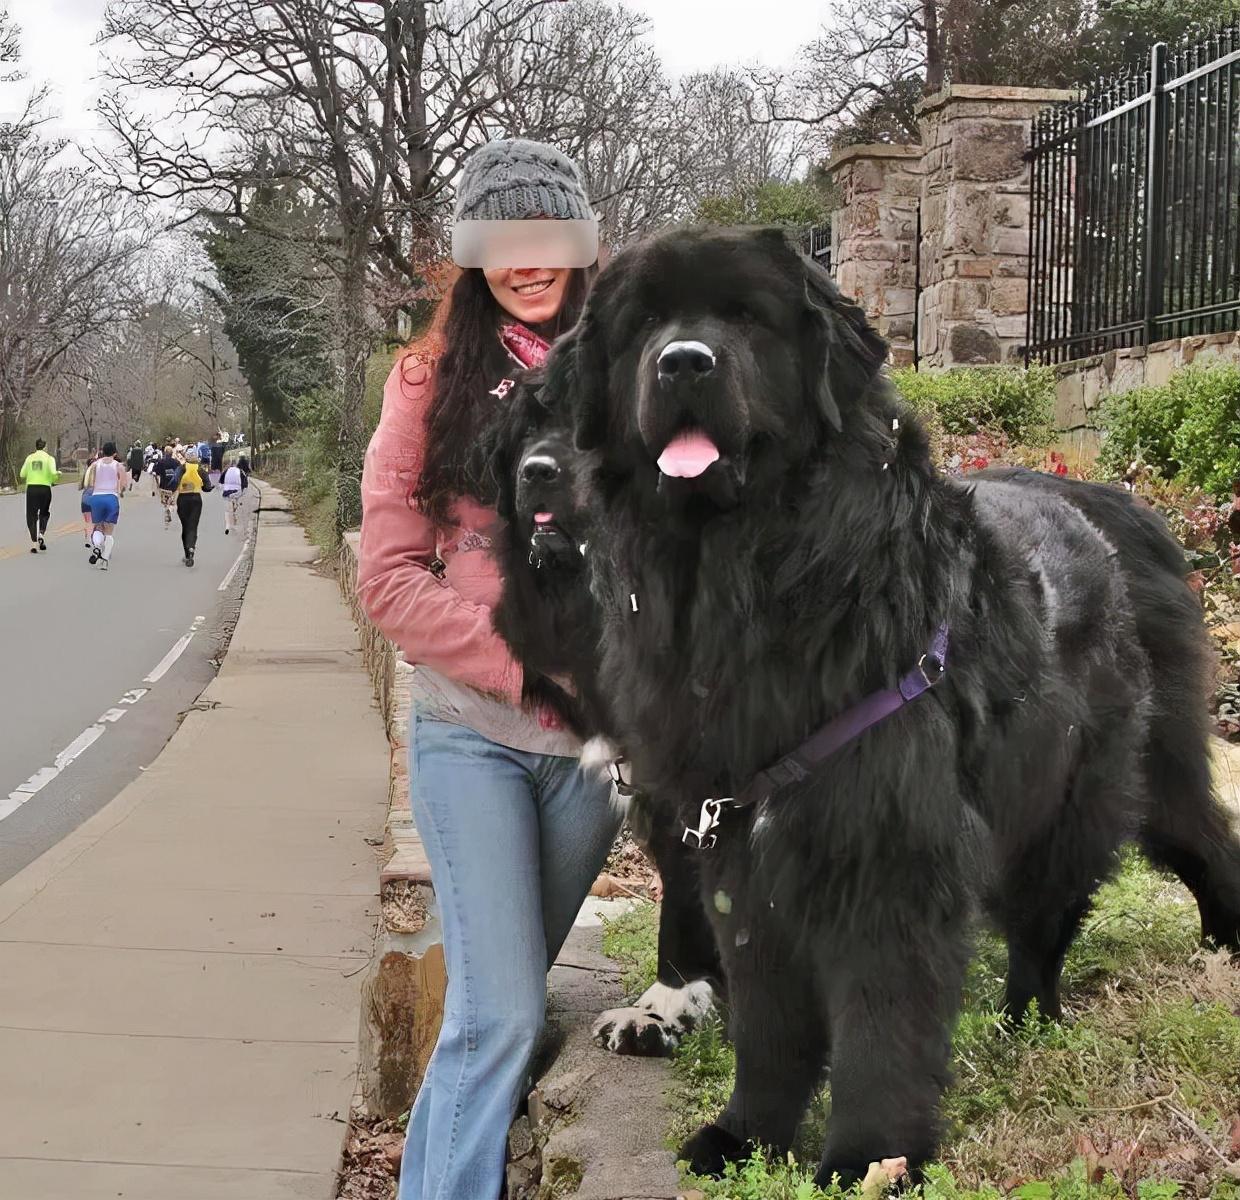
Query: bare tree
<point x="368" y="104"/>
<point x="10" y="47"/>
<point x="67" y="252"/>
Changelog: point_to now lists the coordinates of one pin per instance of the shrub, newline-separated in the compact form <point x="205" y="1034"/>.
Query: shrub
<point x="1188" y="428"/>
<point x="1009" y="400"/>
<point x="1207" y="442"/>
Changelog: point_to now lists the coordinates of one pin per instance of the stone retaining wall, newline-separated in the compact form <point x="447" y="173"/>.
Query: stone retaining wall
<point x="1082" y="385"/>
<point x="402" y="997"/>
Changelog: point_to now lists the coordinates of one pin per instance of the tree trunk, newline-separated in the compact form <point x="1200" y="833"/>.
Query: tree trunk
<point x="934" y="47"/>
<point x="355" y="340"/>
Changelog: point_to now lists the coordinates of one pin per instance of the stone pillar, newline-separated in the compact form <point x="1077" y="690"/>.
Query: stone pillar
<point x="873" y="236"/>
<point x="975" y="222"/>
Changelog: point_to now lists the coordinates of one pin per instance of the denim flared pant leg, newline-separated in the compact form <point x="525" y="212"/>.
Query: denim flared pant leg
<point x="514" y="841"/>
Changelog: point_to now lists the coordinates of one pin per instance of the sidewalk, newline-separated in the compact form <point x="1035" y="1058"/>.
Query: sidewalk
<point x="179" y="977"/>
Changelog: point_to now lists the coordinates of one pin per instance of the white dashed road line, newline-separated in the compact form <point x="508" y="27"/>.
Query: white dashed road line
<point x="233" y="569"/>
<point x="165" y="664"/>
<point x="92" y="733"/>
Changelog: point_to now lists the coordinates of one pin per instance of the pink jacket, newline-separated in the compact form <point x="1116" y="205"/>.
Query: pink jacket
<point x="443" y="621"/>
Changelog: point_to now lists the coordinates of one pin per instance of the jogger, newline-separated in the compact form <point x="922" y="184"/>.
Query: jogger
<point x="233" y="483"/>
<point x="38" y="473"/>
<point x="38" y="513"/>
<point x="107" y="475"/>
<point x="189" y="511"/>
<point x="190" y="482"/>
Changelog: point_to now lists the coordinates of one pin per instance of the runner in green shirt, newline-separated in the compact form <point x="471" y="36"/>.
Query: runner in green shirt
<point x="39" y="474"/>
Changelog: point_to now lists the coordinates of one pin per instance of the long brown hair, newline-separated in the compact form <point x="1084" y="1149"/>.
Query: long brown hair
<point x="463" y="348"/>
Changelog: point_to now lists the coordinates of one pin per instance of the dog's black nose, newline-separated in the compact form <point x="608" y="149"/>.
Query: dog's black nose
<point x="686" y="360"/>
<point x="539" y="468"/>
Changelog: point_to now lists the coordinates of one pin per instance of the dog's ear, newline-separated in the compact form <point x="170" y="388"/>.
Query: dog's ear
<point x="577" y="381"/>
<point x="843" y="351"/>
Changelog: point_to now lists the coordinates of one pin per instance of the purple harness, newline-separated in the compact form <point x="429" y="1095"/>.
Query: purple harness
<point x="839" y="731"/>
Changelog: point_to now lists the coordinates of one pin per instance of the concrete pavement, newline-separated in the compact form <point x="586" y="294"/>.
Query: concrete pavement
<point x="76" y="643"/>
<point x="179" y="976"/>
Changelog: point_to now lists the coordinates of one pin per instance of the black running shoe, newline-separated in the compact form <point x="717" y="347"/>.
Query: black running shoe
<point x="94" y="557"/>
<point x="34" y="549"/>
<point x="42" y="544"/>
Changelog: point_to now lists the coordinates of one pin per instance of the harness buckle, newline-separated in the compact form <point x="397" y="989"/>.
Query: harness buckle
<point x="703" y="837"/>
<point x="624" y="787"/>
<point x="939" y="669"/>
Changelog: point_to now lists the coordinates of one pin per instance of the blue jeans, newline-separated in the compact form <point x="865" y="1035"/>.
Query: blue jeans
<point x="514" y="841"/>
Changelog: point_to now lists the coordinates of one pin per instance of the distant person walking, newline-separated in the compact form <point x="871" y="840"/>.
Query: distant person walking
<point x="192" y="479"/>
<point x="165" y="469"/>
<point x="107" y="478"/>
<point x="87" y="492"/>
<point x="134" y="462"/>
<point x="233" y="482"/>
<point x="39" y="474"/>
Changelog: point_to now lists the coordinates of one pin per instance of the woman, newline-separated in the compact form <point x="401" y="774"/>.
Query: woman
<point x="233" y="482"/>
<point x="514" y="832"/>
<point x="107" y="478"/>
<point x="87" y="492"/>
<point x="189" y="482"/>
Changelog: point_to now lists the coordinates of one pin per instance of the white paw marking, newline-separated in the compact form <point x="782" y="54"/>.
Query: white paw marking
<point x="657" y="1022"/>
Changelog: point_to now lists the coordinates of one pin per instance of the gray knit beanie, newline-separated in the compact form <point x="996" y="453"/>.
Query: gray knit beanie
<point x="514" y="179"/>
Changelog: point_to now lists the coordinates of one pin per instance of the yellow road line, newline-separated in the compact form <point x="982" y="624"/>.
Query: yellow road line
<point x="53" y="532"/>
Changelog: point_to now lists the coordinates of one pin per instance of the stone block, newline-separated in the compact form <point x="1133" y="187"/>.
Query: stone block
<point x="402" y="1009"/>
<point x="966" y="221"/>
<point x="1011" y="209"/>
<point x="968" y="342"/>
<point x="897" y="329"/>
<point x="867" y="175"/>
<point x="963" y="299"/>
<point x="987" y="151"/>
<point x="876" y="249"/>
<point x="1009" y="296"/>
<point x="865" y="215"/>
<point x="972" y="268"/>
<point x="1128" y="372"/>
<point x="1011" y="327"/>
<point x="905" y="183"/>
<point x="1161" y="364"/>
<point x="1013" y="266"/>
<point x="1007" y="242"/>
<point x="1069" y="401"/>
<point x="898" y="300"/>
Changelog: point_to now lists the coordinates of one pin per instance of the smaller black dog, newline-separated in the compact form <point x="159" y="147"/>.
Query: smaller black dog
<point x="551" y="622"/>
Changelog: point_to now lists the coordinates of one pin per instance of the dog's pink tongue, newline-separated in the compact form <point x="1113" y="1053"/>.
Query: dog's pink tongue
<point x="688" y="454"/>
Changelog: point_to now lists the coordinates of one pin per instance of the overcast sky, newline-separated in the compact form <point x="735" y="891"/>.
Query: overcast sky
<point x="58" y="36"/>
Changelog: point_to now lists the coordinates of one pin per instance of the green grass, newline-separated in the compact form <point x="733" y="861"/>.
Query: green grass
<point x="1119" y="1099"/>
<point x="632" y="939"/>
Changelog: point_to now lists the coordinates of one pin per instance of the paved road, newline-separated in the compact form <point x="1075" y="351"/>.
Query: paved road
<point x="96" y="668"/>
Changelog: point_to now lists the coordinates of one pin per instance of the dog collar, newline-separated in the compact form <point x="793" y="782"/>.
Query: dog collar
<point x="815" y="750"/>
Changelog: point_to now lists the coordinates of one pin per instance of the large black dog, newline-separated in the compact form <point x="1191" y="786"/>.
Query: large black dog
<point x="1010" y="673"/>
<point x="550" y="620"/>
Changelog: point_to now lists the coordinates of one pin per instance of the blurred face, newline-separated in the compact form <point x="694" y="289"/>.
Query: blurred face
<point x="530" y="294"/>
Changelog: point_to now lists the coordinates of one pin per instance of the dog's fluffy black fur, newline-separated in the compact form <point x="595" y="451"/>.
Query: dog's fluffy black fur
<point x="810" y="566"/>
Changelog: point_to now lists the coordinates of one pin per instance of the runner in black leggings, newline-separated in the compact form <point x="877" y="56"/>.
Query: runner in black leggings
<point x="190" y="482"/>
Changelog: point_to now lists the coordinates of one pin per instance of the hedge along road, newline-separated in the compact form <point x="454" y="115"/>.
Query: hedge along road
<point x="96" y="668"/>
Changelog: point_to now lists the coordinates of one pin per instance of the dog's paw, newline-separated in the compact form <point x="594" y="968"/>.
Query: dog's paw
<point x="634" y="1031"/>
<point x="875" y="1178"/>
<point x="657" y="1023"/>
<point x="709" y="1150"/>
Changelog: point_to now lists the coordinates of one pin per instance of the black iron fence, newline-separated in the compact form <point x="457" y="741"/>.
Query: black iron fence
<point x="1134" y="207"/>
<point x="816" y="242"/>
